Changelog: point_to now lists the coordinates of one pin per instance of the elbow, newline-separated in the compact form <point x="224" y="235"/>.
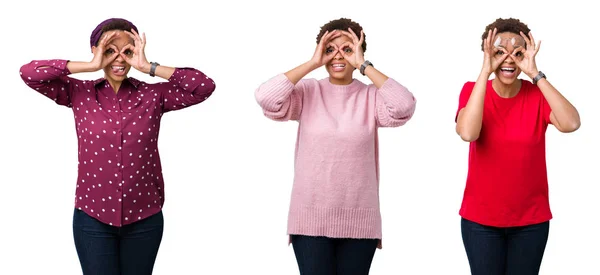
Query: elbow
<point x="405" y="112"/>
<point x="264" y="101"/>
<point x="467" y="136"/>
<point x="23" y="73"/>
<point x="571" y="127"/>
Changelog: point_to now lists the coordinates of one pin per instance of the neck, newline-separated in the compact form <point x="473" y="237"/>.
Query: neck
<point x="341" y="81"/>
<point x="114" y="84"/>
<point x="506" y="90"/>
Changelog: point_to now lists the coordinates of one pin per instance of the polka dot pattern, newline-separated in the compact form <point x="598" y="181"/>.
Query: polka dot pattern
<point x="119" y="172"/>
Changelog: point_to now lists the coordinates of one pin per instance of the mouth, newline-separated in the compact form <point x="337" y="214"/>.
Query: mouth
<point x="118" y="70"/>
<point x="508" y="71"/>
<point x="338" y="67"/>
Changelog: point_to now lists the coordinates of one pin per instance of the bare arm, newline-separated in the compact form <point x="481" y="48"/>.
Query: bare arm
<point x="563" y="116"/>
<point x="468" y="122"/>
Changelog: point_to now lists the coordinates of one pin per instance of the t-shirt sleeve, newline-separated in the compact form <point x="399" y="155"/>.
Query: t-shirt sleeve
<point x="465" y="93"/>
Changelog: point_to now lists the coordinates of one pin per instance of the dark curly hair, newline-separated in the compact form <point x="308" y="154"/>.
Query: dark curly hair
<point x="343" y="24"/>
<point x="512" y="25"/>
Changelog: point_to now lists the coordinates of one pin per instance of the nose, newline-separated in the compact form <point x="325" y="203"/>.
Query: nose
<point x="509" y="60"/>
<point x="338" y="55"/>
<point x="119" y="58"/>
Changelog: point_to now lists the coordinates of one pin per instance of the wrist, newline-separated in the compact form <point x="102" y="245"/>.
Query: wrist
<point x="359" y="63"/>
<point x="533" y="73"/>
<point x="485" y="73"/>
<point x="363" y="66"/>
<point x="145" y="68"/>
<point x="90" y="67"/>
<point x="313" y="65"/>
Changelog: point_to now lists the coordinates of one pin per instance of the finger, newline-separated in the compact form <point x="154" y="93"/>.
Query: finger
<point x="350" y="35"/>
<point x="346" y="45"/>
<point x="137" y="35"/>
<point x="333" y="47"/>
<point x="486" y="47"/>
<point x="344" y="49"/>
<point x="132" y="36"/>
<point x="362" y="37"/>
<point x="503" y="50"/>
<point x="113" y="47"/>
<point x="107" y="38"/>
<point x="332" y="35"/>
<point x="325" y="38"/>
<point x="125" y="56"/>
<point x="494" y="33"/>
<point x="128" y="47"/>
<point x="487" y="42"/>
<point x="144" y="38"/>
<point x="500" y="59"/>
<point x="514" y="54"/>
<point x="527" y="41"/>
<point x="531" y="37"/>
<point x="354" y="36"/>
<point x="537" y="48"/>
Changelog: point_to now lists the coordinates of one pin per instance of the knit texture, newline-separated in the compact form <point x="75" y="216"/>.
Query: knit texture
<point x="336" y="181"/>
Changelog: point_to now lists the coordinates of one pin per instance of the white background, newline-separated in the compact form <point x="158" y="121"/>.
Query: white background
<point x="228" y="169"/>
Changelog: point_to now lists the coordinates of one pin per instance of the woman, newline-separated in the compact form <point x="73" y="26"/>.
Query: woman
<point x="118" y="223"/>
<point x="505" y="210"/>
<point x="334" y="219"/>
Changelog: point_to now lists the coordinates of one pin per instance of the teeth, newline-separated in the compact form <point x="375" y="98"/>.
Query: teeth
<point x="118" y="68"/>
<point x="339" y="65"/>
<point x="508" y="69"/>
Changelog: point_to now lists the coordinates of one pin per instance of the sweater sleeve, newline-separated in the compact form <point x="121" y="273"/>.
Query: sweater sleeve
<point x="395" y="104"/>
<point x="280" y="99"/>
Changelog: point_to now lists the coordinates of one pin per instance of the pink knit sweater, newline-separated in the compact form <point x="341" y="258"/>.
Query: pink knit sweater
<point x="336" y="182"/>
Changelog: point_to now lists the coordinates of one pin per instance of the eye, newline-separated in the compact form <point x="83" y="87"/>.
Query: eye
<point x="499" y="53"/>
<point x="348" y="50"/>
<point x="109" y="51"/>
<point x="519" y="54"/>
<point x="329" y="50"/>
<point x="128" y="52"/>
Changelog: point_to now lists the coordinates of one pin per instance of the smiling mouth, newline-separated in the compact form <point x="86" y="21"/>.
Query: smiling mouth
<point x="118" y="68"/>
<point x="510" y="70"/>
<point x="338" y="67"/>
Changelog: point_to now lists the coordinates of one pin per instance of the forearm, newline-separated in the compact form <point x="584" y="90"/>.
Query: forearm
<point x="160" y="71"/>
<point x="296" y="74"/>
<point x="377" y="77"/>
<point x="565" y="114"/>
<point x="468" y="124"/>
<point x="80" y="67"/>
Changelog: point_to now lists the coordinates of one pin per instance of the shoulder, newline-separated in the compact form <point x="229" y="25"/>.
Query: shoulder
<point x="468" y="86"/>
<point x="528" y="86"/>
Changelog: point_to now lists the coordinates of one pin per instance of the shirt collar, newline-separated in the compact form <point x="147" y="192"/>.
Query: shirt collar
<point x="131" y="80"/>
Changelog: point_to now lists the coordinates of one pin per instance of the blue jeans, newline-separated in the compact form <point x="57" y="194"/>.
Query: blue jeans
<point x="504" y="251"/>
<point x="110" y="250"/>
<point x="330" y="256"/>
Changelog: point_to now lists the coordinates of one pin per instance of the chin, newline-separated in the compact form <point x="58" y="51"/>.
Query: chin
<point x="507" y="80"/>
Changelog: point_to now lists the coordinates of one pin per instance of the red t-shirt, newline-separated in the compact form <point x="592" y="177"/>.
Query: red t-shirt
<point x="507" y="183"/>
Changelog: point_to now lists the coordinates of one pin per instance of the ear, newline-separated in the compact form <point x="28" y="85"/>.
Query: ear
<point x="94" y="50"/>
